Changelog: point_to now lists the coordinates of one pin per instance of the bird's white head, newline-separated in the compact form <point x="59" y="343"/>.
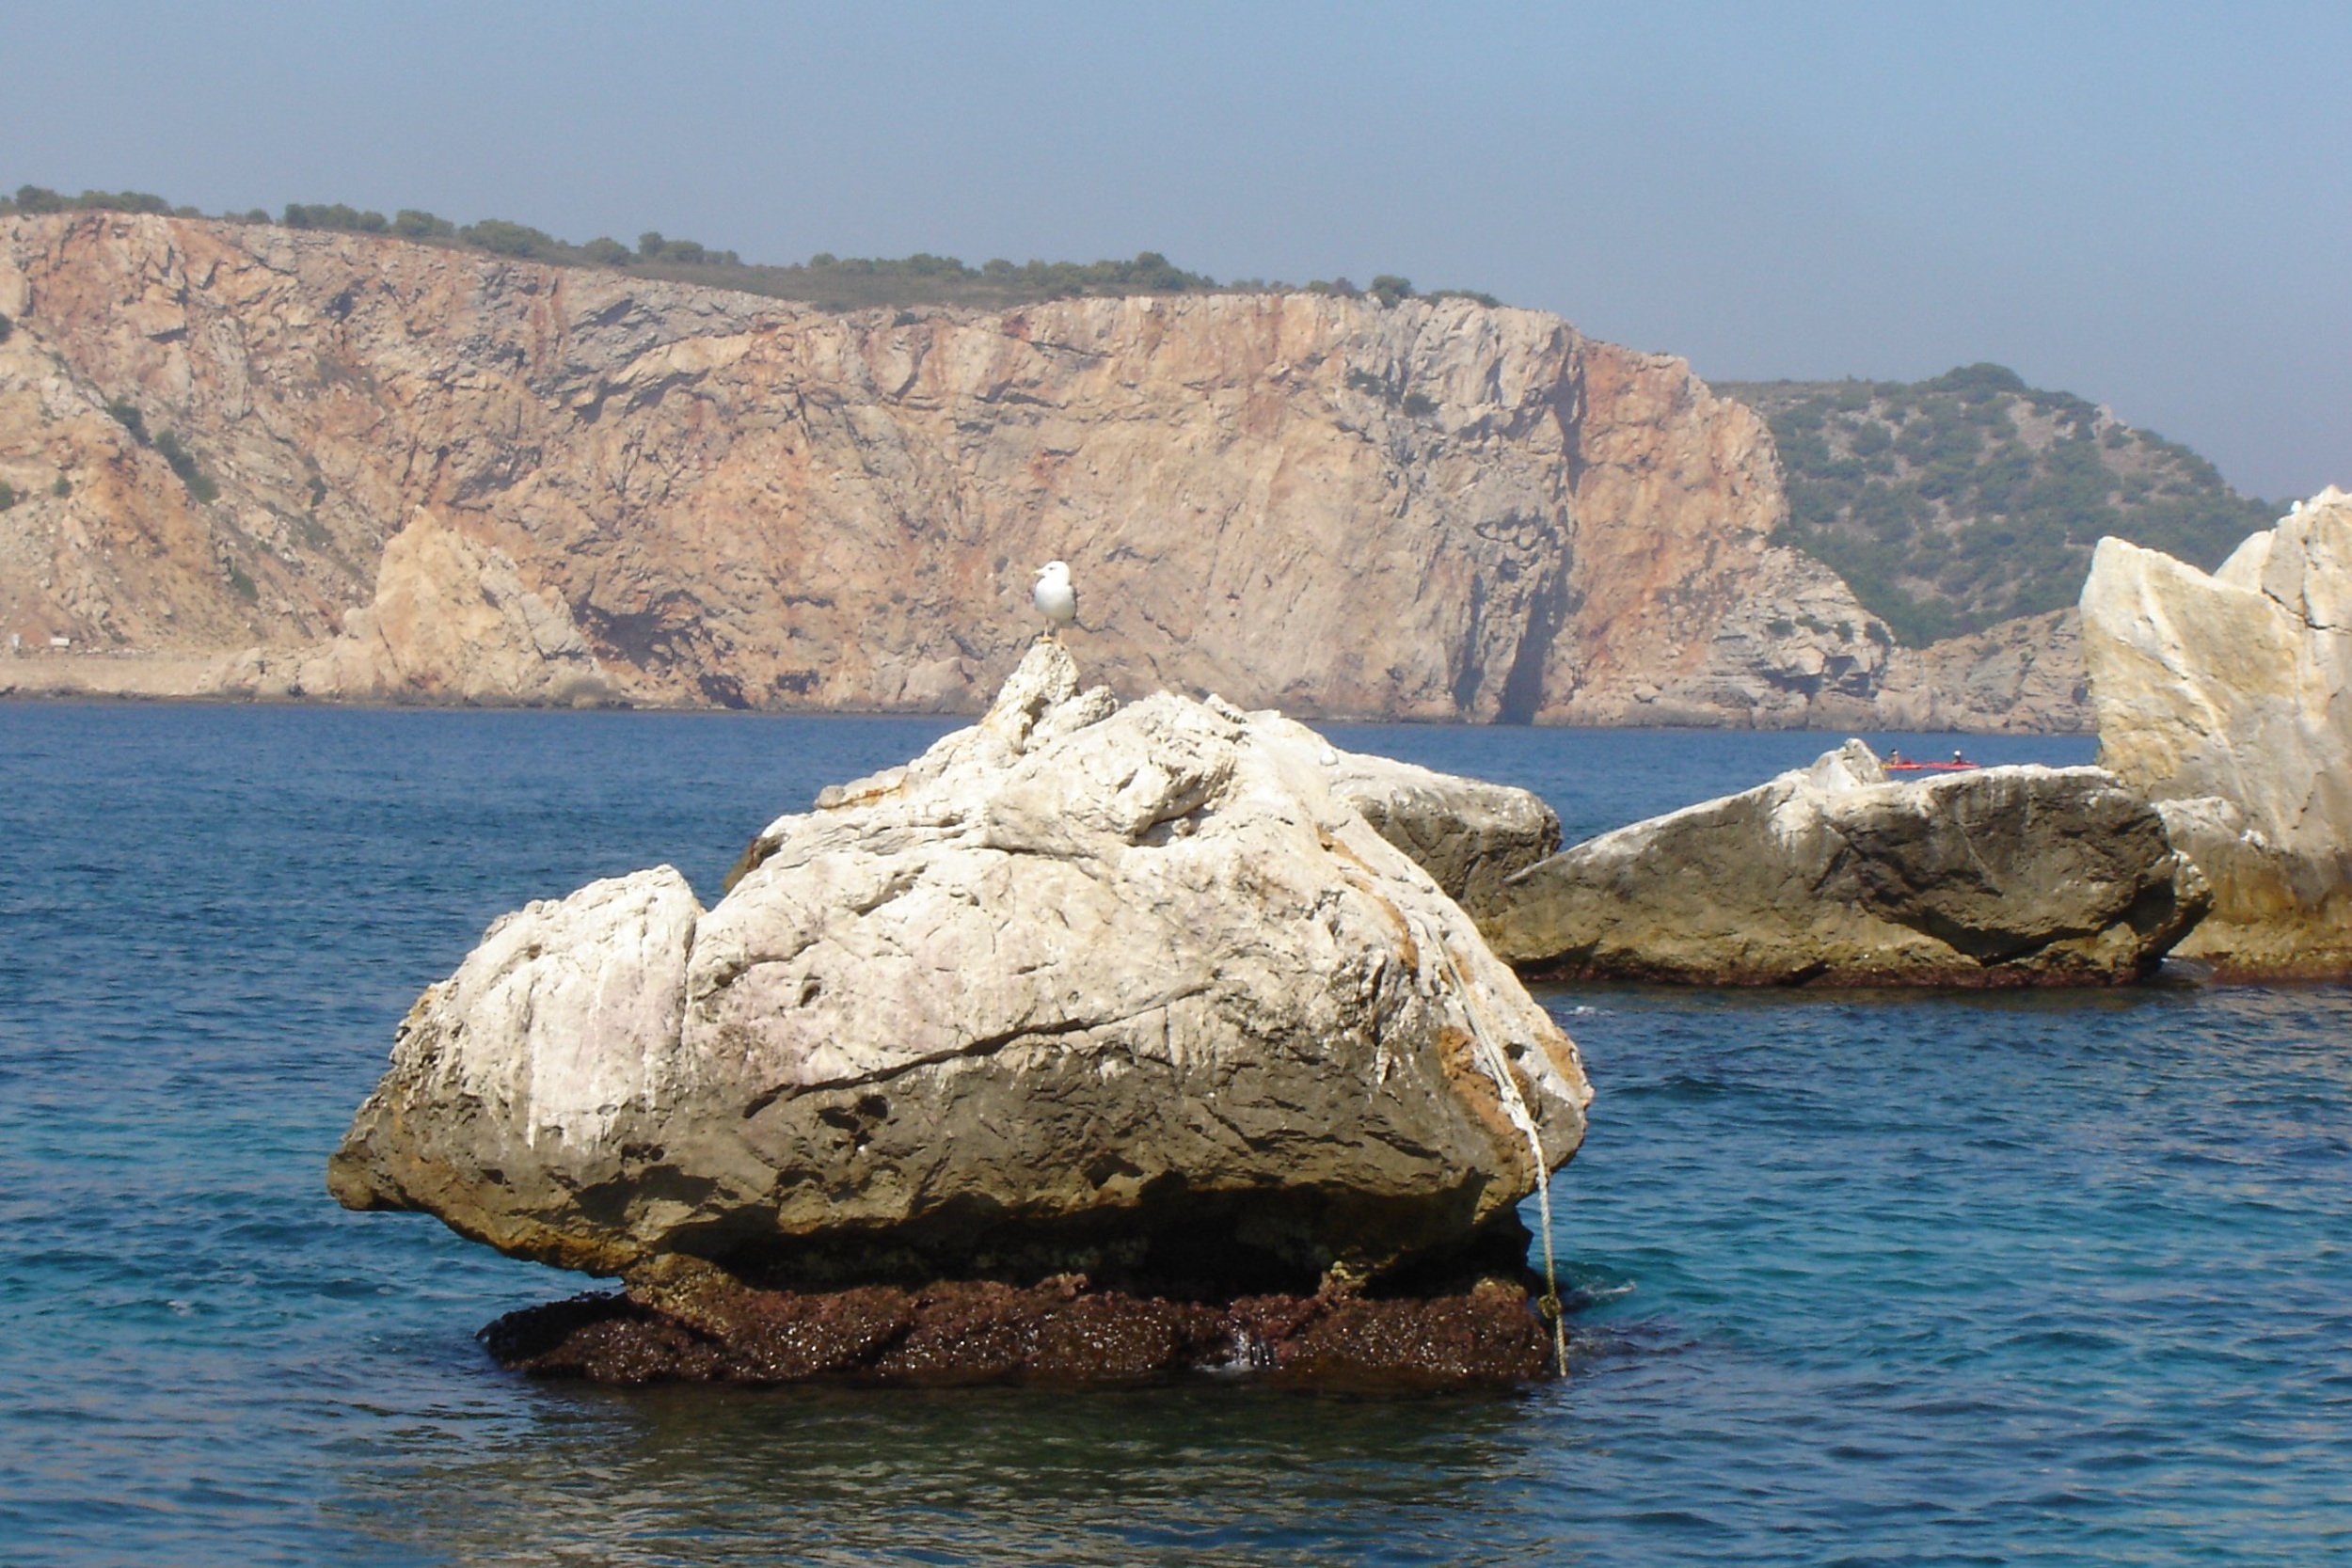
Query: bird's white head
<point x="1054" y="571"/>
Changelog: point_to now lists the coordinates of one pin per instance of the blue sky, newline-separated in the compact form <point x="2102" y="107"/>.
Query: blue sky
<point x="2148" y="204"/>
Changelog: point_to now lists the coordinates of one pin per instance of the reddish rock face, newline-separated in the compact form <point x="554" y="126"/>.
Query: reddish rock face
<point x="1433" y="510"/>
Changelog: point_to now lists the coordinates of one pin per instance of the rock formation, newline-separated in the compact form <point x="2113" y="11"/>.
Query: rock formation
<point x="2228" y="698"/>
<point x="1430" y="509"/>
<point x="2023" y="676"/>
<point x="1469" y="835"/>
<point x="1833" y="874"/>
<point x="1127" y="991"/>
<point x="451" y="622"/>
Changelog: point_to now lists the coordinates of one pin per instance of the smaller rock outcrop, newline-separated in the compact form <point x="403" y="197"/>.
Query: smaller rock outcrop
<point x="1123" y="993"/>
<point x="2228" y="698"/>
<point x="451" y="622"/>
<point x="1833" y="875"/>
<point x="1469" y="835"/>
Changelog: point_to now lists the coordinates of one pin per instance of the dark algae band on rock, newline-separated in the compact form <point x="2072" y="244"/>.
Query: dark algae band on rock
<point x="1128" y="991"/>
<point x="1059" y="1330"/>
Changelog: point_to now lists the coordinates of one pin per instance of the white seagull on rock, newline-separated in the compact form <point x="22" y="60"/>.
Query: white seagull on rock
<point x="1054" y="598"/>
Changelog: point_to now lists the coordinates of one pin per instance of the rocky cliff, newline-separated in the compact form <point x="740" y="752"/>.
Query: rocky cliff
<point x="2228" y="698"/>
<point x="219" y="434"/>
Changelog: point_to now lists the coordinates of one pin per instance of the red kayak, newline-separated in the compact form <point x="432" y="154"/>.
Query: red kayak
<point x="1957" y="765"/>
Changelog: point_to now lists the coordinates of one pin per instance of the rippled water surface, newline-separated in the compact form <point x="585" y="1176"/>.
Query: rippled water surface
<point x="1862" y="1279"/>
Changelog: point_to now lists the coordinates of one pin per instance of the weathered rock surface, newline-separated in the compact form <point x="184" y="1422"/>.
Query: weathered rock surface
<point x="1433" y="510"/>
<point x="1128" y="991"/>
<point x="1833" y="874"/>
<point x="2229" y="697"/>
<point x="1470" y="836"/>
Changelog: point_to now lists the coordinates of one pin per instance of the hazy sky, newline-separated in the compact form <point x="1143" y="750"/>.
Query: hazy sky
<point x="2148" y="204"/>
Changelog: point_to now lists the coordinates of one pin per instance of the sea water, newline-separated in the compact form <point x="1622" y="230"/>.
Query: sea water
<point x="1856" y="1278"/>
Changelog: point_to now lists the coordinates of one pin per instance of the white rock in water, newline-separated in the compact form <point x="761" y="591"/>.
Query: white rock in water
<point x="1083" y="985"/>
<point x="2235" y="689"/>
<point x="1835" y="874"/>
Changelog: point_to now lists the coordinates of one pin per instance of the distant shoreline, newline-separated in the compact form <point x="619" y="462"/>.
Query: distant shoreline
<point x="132" y="693"/>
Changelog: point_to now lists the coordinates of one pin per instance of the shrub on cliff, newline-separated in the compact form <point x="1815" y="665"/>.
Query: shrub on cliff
<point x="200" y="484"/>
<point x="37" y="199"/>
<point x="126" y="201"/>
<point x="834" y="282"/>
<point x="337" y="216"/>
<point x="8" y="495"/>
<point x="502" y="238"/>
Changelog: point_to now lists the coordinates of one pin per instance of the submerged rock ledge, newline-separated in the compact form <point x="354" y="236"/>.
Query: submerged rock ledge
<point x="1059" y="1330"/>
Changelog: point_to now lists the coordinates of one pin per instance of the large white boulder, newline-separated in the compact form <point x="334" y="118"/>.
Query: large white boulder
<point x="1084" y="986"/>
<point x="2228" y="698"/>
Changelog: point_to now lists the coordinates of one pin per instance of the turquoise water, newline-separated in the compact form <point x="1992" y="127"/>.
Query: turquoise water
<point x="1859" y="1279"/>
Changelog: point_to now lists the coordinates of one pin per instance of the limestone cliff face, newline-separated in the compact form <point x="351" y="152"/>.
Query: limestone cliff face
<point x="1434" y="510"/>
<point x="2229" y="697"/>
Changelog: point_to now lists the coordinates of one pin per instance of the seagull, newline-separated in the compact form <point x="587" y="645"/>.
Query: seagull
<point x="1054" y="598"/>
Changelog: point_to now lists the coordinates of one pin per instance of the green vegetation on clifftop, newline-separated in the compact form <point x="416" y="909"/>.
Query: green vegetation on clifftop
<point x="1952" y="504"/>
<point x="828" y="281"/>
